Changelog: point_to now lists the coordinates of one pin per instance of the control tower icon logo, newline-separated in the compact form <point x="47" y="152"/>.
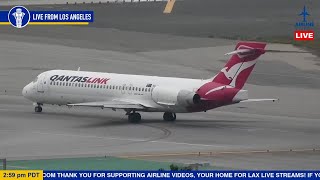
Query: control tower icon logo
<point x="19" y="16"/>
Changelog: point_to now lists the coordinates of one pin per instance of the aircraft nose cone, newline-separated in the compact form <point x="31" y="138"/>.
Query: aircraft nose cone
<point x="26" y="91"/>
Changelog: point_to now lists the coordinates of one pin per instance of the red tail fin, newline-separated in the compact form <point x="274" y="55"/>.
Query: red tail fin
<point x="237" y="70"/>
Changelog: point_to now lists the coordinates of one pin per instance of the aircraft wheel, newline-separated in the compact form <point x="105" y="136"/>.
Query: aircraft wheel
<point x="134" y="117"/>
<point x="167" y="116"/>
<point x="38" y="109"/>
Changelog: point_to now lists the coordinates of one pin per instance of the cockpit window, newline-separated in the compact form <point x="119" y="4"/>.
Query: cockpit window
<point x="35" y="79"/>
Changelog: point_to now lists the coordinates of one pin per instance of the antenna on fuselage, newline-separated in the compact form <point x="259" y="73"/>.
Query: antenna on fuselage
<point x="78" y="68"/>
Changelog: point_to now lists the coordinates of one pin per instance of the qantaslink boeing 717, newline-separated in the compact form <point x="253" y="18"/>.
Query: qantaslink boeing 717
<point x="139" y="93"/>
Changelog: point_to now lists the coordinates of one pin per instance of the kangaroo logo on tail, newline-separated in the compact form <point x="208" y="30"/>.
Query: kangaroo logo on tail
<point x="240" y="65"/>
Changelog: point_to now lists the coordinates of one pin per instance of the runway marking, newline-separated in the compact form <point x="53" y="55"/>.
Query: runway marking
<point x="217" y="153"/>
<point x="169" y="7"/>
<point x="130" y="139"/>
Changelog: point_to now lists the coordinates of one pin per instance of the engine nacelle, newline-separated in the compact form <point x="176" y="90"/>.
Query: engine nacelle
<point x="172" y="97"/>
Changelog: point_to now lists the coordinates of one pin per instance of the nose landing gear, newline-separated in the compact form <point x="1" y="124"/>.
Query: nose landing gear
<point x="38" y="108"/>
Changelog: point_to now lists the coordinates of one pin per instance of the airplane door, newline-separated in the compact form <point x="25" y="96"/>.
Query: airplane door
<point x="123" y="87"/>
<point x="130" y="89"/>
<point x="40" y="85"/>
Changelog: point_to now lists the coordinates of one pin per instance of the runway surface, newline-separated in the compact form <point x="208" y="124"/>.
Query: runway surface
<point x="292" y="123"/>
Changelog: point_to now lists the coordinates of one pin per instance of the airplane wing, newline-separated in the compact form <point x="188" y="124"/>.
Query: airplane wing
<point x="114" y="104"/>
<point x="258" y="100"/>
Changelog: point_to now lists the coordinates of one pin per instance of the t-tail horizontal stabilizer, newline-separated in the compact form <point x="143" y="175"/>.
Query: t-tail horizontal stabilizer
<point x="259" y="100"/>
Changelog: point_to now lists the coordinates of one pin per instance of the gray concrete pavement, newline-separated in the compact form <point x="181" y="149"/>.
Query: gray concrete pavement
<point x="164" y="48"/>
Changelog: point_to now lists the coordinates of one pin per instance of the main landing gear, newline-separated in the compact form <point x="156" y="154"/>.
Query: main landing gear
<point x="38" y="108"/>
<point x="134" y="117"/>
<point x="167" y="116"/>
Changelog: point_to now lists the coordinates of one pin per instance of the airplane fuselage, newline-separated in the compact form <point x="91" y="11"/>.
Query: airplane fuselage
<point x="62" y="87"/>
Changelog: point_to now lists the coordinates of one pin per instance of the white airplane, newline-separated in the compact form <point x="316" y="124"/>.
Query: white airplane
<point x="134" y="93"/>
